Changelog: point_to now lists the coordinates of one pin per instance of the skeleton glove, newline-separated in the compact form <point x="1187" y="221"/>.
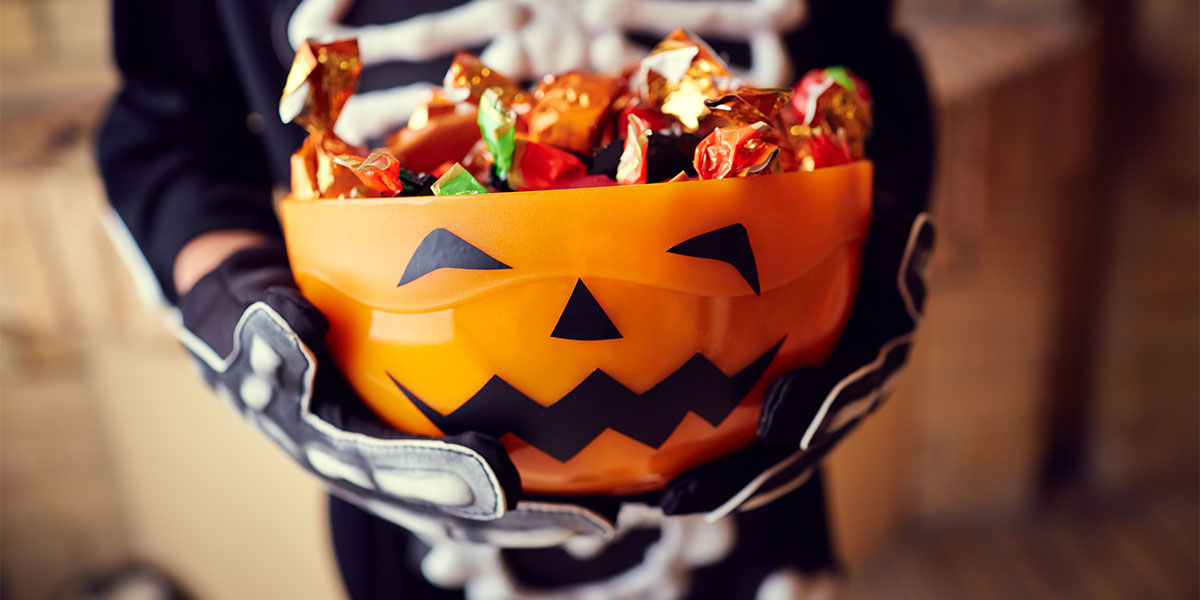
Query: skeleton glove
<point x="259" y="343"/>
<point x="807" y="411"/>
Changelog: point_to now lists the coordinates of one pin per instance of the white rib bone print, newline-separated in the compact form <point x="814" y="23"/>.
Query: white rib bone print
<point x="526" y="39"/>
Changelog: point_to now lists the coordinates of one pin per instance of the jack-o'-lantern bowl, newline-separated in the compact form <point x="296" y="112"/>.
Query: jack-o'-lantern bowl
<point x="610" y="337"/>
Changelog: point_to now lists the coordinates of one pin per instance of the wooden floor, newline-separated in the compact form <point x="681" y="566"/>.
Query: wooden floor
<point x="1078" y="549"/>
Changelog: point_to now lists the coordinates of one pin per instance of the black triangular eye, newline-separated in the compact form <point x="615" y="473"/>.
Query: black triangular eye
<point x="728" y="244"/>
<point x="444" y="250"/>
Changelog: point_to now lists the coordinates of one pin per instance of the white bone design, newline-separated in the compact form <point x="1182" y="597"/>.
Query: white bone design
<point x="686" y="542"/>
<point x="526" y="39"/>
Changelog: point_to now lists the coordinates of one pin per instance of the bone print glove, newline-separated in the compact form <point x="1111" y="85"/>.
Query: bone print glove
<point x="259" y="345"/>
<point x="807" y="411"/>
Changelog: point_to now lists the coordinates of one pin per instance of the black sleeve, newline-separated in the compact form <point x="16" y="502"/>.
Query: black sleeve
<point x="175" y="152"/>
<point x="860" y="36"/>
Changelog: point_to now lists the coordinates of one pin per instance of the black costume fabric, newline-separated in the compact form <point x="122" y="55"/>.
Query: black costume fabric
<point x="379" y="560"/>
<point x="193" y="143"/>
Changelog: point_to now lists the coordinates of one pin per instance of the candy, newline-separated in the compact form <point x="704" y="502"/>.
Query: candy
<point x="656" y="120"/>
<point x="631" y="168"/>
<point x="443" y="138"/>
<point x="667" y="153"/>
<point x="322" y="78"/>
<point x="750" y="105"/>
<point x="674" y="116"/>
<point x="379" y="171"/>
<point x="541" y="167"/>
<point x="496" y="124"/>
<point x="315" y="174"/>
<point x="734" y="152"/>
<point x="436" y="104"/>
<point x="820" y="149"/>
<point x="678" y="75"/>
<point x="468" y="78"/>
<point x="570" y="110"/>
<point x="836" y="102"/>
<point x="457" y="181"/>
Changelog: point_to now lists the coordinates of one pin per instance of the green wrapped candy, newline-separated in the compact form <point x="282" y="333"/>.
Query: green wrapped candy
<point x="457" y="181"/>
<point x="497" y="124"/>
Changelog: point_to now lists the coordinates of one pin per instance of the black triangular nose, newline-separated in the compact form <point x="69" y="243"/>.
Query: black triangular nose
<point x="583" y="319"/>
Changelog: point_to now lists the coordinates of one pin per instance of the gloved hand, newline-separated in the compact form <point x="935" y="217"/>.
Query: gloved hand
<point x="259" y="346"/>
<point x="807" y="411"/>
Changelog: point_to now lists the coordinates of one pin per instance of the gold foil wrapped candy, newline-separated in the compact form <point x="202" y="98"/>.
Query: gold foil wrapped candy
<point x="750" y="105"/>
<point x="679" y="74"/>
<point x="322" y="78"/>
<point x="570" y="110"/>
<point x="468" y="77"/>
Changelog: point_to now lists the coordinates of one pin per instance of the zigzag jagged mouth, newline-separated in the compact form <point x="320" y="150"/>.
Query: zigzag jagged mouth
<point x="600" y="402"/>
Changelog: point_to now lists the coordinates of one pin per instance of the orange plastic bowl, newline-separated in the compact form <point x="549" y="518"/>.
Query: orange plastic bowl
<point x="610" y="337"/>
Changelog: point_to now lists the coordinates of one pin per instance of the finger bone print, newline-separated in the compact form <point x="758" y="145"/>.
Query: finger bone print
<point x="526" y="39"/>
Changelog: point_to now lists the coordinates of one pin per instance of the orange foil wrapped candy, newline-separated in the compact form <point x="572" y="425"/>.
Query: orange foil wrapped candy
<point x="679" y="74"/>
<point x="322" y="78"/>
<point x="443" y="138"/>
<point x="316" y="173"/>
<point x="468" y="77"/>
<point x="437" y="103"/>
<point x="540" y="167"/>
<point x="570" y="109"/>
<point x="750" y="105"/>
<point x="734" y="152"/>
<point x="379" y="171"/>
<point x="835" y="101"/>
<point x="437" y="133"/>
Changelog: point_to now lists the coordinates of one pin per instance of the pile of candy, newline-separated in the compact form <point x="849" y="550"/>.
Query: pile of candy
<point x="677" y="115"/>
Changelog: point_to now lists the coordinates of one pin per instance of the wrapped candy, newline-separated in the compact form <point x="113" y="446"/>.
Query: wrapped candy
<point x="541" y="167"/>
<point x="821" y="149"/>
<point x="750" y="105"/>
<point x="478" y="160"/>
<point x="667" y="153"/>
<point x="379" y="171"/>
<point x="656" y="120"/>
<point x="835" y="102"/>
<point x="322" y="78"/>
<point x="675" y="115"/>
<point x="496" y="124"/>
<point x="735" y="151"/>
<point x="631" y="168"/>
<point x="443" y="138"/>
<point x="571" y="108"/>
<point x="468" y="78"/>
<point x="457" y="181"/>
<point x="679" y="74"/>
<point x="437" y="132"/>
<point x="436" y="104"/>
<point x="316" y="174"/>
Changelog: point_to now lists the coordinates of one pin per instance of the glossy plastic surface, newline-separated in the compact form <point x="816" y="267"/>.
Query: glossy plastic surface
<point x="444" y="335"/>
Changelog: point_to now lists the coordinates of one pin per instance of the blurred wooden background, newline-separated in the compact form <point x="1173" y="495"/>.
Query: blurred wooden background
<point x="1055" y="384"/>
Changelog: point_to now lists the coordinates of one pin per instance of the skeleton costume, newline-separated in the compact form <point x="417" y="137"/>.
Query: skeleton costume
<point x="193" y="143"/>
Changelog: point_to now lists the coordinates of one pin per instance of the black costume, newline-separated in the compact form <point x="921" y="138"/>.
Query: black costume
<point x="193" y="143"/>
